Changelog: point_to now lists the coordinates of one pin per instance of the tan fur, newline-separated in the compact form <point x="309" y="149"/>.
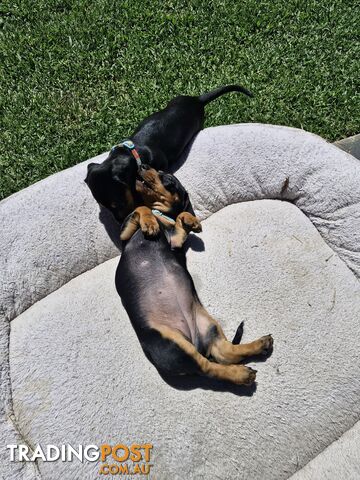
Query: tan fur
<point x="185" y="223"/>
<point x="221" y="349"/>
<point x="226" y="353"/>
<point x="238" y="374"/>
<point x="155" y="195"/>
<point x="142" y="217"/>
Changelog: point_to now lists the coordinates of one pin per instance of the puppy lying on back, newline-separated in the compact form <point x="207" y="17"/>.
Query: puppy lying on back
<point x="165" y="202"/>
<point x="177" y="334"/>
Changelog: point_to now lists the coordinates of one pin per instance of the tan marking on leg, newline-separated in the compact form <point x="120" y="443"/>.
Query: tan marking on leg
<point x="130" y="228"/>
<point x="238" y="374"/>
<point x="143" y="218"/>
<point x="153" y="193"/>
<point x="148" y="222"/>
<point x="226" y="353"/>
<point x="184" y="224"/>
<point x="221" y="349"/>
<point x="204" y="321"/>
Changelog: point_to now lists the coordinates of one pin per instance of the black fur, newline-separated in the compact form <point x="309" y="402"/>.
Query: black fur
<point x="238" y="334"/>
<point x="160" y="140"/>
<point x="134" y="284"/>
<point x="144" y="268"/>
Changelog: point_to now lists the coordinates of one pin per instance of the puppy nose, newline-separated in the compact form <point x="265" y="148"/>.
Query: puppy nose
<point x="144" y="166"/>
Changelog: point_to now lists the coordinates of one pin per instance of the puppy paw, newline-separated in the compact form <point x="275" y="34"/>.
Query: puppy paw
<point x="149" y="226"/>
<point x="250" y="376"/>
<point x="190" y="223"/>
<point x="265" y="345"/>
<point x="242" y="375"/>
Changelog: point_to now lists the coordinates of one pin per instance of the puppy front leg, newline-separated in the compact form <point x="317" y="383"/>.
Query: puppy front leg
<point x="141" y="217"/>
<point x="148" y="223"/>
<point x="184" y="224"/>
<point x="130" y="226"/>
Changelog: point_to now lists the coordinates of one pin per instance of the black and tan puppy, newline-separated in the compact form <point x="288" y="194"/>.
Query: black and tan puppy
<point x="158" y="141"/>
<point x="176" y="332"/>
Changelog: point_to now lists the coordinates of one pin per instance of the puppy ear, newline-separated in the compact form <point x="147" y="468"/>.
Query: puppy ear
<point x="116" y="178"/>
<point x="187" y="204"/>
<point x="89" y="168"/>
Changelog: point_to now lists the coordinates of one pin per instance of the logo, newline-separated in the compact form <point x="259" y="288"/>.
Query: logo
<point x="118" y="459"/>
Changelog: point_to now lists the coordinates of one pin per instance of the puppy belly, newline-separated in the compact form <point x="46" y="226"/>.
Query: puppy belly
<point x="172" y="304"/>
<point x="174" y="321"/>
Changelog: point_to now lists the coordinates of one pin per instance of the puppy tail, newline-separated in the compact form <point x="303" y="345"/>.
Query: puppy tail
<point x="238" y="334"/>
<point x="210" y="96"/>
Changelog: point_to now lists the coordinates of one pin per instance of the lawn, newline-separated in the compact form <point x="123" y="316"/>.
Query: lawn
<point x="77" y="76"/>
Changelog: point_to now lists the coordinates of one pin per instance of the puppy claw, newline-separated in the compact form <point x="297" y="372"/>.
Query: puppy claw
<point x="242" y="375"/>
<point x="251" y="376"/>
<point x="190" y="223"/>
<point x="267" y="344"/>
<point x="197" y="228"/>
<point x="150" y="228"/>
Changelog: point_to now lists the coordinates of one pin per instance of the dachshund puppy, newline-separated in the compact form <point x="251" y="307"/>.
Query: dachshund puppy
<point x="176" y="333"/>
<point x="162" y="193"/>
<point x="158" y="141"/>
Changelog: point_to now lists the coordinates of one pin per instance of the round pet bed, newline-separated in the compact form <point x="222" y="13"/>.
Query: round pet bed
<point x="280" y="249"/>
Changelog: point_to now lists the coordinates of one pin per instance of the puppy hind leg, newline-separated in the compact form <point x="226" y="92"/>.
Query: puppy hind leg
<point x="238" y="374"/>
<point x="225" y="352"/>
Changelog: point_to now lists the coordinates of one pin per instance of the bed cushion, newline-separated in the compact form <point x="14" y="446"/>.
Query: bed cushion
<point x="290" y="269"/>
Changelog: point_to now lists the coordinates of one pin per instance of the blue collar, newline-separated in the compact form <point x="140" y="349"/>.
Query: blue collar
<point x="160" y="214"/>
<point x="129" y="145"/>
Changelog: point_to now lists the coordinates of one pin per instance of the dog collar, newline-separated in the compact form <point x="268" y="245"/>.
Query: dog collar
<point x="160" y="214"/>
<point x="129" y="145"/>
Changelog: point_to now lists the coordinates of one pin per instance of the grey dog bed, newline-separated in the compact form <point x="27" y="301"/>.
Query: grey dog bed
<point x="281" y="250"/>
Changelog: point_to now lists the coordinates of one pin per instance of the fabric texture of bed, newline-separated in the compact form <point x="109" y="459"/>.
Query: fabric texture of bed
<point x="281" y="212"/>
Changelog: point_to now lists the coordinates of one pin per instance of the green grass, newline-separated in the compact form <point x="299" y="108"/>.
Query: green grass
<point x="78" y="75"/>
